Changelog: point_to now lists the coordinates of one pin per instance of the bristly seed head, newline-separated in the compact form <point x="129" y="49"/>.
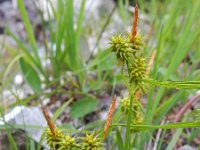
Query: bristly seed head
<point x="137" y="70"/>
<point x="54" y="140"/>
<point x="138" y="43"/>
<point x="92" y="142"/>
<point x="69" y="143"/>
<point x="124" y="105"/>
<point x="122" y="47"/>
<point x="135" y="110"/>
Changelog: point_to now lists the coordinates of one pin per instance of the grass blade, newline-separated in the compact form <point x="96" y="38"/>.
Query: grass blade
<point x="175" y="84"/>
<point x="28" y="28"/>
<point x="61" y="109"/>
<point x="167" y="126"/>
<point x="119" y="139"/>
<point x="30" y="75"/>
<point x="79" y="23"/>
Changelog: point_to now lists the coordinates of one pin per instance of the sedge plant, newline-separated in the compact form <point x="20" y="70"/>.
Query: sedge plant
<point x="128" y="120"/>
<point x="128" y="49"/>
<point x="57" y="140"/>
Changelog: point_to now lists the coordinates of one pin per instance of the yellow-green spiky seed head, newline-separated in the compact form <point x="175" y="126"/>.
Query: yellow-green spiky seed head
<point x="138" y="118"/>
<point x="138" y="69"/>
<point x="69" y="143"/>
<point x="124" y="105"/>
<point x="138" y="115"/>
<point x="92" y="142"/>
<point x="122" y="47"/>
<point x="138" y="43"/>
<point x="54" y="140"/>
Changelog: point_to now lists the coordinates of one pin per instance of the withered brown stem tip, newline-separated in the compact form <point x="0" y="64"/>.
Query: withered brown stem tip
<point x="48" y="119"/>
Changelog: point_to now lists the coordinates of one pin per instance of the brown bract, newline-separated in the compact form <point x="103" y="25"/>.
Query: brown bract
<point x="135" y="22"/>
<point x="151" y="62"/>
<point x="48" y="119"/>
<point x="110" y="114"/>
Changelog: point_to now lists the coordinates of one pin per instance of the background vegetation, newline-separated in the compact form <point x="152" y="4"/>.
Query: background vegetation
<point x="54" y="68"/>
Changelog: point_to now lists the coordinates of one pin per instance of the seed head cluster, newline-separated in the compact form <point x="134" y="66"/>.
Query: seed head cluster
<point x="124" y="105"/>
<point x="54" y="140"/>
<point x="122" y="47"/>
<point x="130" y="52"/>
<point x="60" y="141"/>
<point x="92" y="142"/>
<point x="137" y="116"/>
<point x="137" y="70"/>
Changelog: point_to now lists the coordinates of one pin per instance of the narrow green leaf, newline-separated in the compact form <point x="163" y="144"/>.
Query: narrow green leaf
<point x="59" y="28"/>
<point x="175" y="84"/>
<point x="167" y="126"/>
<point x="31" y="76"/>
<point x="60" y="110"/>
<point x="67" y="126"/>
<point x="174" y="139"/>
<point x="28" y="54"/>
<point x="81" y="75"/>
<point x="167" y="105"/>
<point x="21" y="46"/>
<point x="194" y="134"/>
<point x="70" y="39"/>
<point x="83" y="107"/>
<point x="32" y="144"/>
<point x="28" y="27"/>
<point x="79" y="23"/>
<point x="13" y="144"/>
<point x="119" y="139"/>
<point x="184" y="43"/>
<point x="10" y="65"/>
<point x="177" y="134"/>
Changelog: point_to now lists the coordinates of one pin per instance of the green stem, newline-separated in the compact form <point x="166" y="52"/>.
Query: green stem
<point x="127" y="65"/>
<point x="128" y="126"/>
<point x="167" y="126"/>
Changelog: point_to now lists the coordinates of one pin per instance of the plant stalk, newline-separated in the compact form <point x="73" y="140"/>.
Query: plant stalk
<point x="128" y="126"/>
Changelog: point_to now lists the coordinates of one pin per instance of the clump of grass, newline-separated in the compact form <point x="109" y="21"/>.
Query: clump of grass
<point x="57" y="140"/>
<point x="129" y="52"/>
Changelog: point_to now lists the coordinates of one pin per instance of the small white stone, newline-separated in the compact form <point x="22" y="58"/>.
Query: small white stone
<point x="18" y="79"/>
<point x="25" y="117"/>
<point x="187" y="147"/>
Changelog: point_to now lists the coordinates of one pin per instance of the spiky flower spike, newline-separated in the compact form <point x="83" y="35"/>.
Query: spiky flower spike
<point x="137" y="114"/>
<point x="124" y="105"/>
<point x="69" y="143"/>
<point x="122" y="47"/>
<point x="92" y="142"/>
<point x="136" y="110"/>
<point x="128" y="50"/>
<point x="53" y="135"/>
<point x="138" y="43"/>
<point x="54" y="140"/>
<point x="138" y="70"/>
